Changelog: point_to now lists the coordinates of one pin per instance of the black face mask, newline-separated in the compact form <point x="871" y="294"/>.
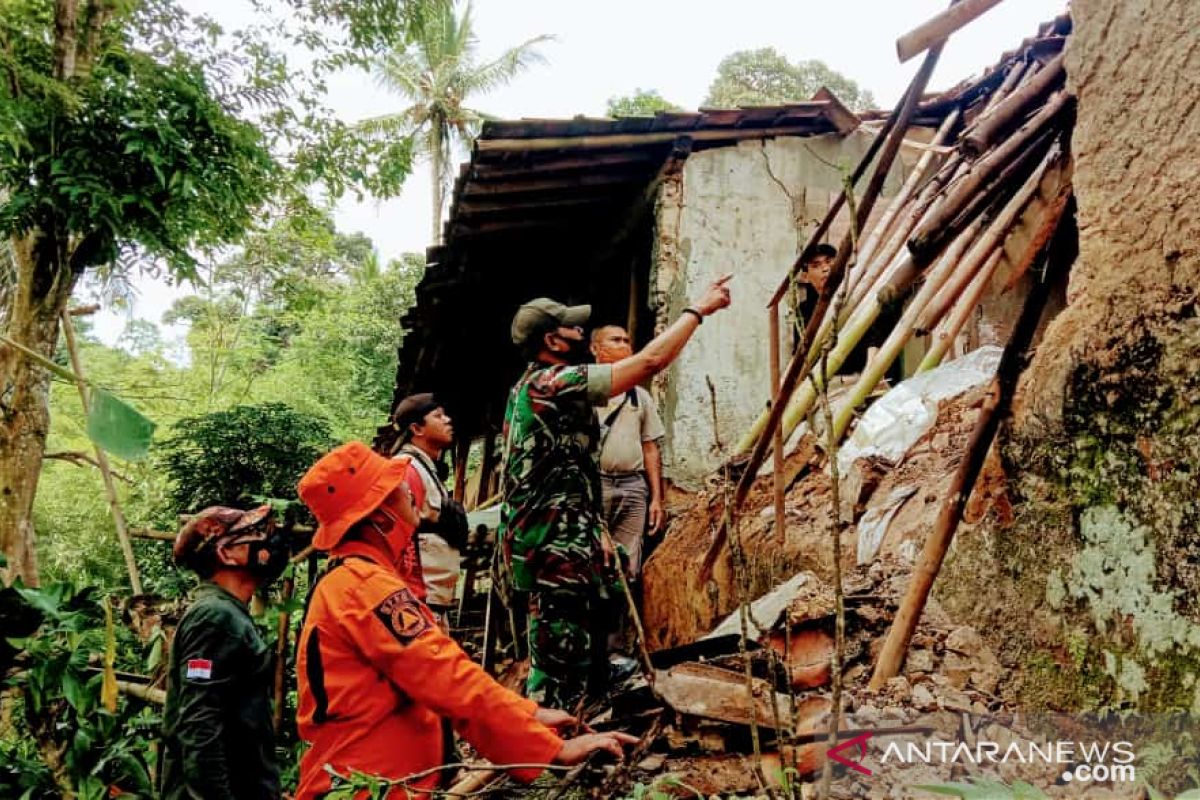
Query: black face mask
<point x="577" y="353"/>
<point x="268" y="558"/>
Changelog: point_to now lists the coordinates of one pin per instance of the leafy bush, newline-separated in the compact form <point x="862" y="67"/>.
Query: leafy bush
<point x="72" y="734"/>
<point x="243" y="455"/>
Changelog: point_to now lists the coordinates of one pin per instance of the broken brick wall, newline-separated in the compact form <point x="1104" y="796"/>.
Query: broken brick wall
<point x="1093" y="593"/>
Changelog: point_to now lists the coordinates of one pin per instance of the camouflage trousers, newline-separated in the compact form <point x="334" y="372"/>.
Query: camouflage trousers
<point x="567" y="646"/>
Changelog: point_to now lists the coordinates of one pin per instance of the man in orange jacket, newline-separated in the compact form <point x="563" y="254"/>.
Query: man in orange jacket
<point x="376" y="674"/>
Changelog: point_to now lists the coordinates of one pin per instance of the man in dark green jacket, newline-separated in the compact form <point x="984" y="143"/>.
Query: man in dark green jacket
<point x="218" y="739"/>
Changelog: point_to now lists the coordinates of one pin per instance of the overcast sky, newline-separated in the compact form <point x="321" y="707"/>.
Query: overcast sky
<point x="612" y="47"/>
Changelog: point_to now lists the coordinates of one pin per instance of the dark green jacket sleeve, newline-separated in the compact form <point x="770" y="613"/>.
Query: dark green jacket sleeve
<point x="208" y="650"/>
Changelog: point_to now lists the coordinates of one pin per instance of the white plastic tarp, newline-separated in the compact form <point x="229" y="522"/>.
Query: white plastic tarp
<point x="894" y="423"/>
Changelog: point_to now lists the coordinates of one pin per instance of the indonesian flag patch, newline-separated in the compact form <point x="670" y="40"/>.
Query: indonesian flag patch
<point x="199" y="668"/>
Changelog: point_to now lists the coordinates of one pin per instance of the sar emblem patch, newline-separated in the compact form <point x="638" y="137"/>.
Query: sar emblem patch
<point x="199" y="669"/>
<point x="402" y="614"/>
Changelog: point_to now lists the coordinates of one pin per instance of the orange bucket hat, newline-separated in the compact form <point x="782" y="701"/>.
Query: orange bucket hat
<point x="347" y="484"/>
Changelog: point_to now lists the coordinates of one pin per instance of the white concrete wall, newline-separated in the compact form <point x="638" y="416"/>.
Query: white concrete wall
<point x="745" y="209"/>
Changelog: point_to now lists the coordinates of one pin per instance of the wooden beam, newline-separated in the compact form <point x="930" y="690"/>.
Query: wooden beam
<point x="937" y="28"/>
<point x="524" y="167"/>
<point x="635" y="139"/>
<point x="576" y="182"/>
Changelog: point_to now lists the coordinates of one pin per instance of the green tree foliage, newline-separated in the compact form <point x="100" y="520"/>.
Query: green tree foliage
<point x="766" y="77"/>
<point x="438" y="75"/>
<point x="642" y="103"/>
<point x="131" y="134"/>
<point x="240" y="456"/>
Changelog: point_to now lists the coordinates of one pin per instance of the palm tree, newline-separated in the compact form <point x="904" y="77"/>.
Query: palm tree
<point x="438" y="73"/>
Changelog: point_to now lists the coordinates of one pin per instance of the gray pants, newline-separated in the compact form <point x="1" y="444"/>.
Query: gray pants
<point x="626" y="501"/>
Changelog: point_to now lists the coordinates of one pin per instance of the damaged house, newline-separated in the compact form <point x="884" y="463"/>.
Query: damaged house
<point x="961" y="259"/>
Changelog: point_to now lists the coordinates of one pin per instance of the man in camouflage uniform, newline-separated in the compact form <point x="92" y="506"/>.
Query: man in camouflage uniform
<point x="551" y="519"/>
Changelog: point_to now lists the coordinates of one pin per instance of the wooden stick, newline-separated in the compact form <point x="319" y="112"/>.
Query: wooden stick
<point x="995" y="407"/>
<point x="777" y="445"/>
<point x="147" y="693"/>
<point x="936" y="29"/>
<point x="473" y="782"/>
<point x="81" y="459"/>
<point x="987" y="128"/>
<point x="110" y="486"/>
<point x="148" y="533"/>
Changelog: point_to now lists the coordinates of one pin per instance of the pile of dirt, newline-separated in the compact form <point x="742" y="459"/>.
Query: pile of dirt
<point x="680" y="605"/>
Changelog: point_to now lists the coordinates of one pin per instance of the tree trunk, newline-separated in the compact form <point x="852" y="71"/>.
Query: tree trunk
<point x="436" y="168"/>
<point x="41" y="293"/>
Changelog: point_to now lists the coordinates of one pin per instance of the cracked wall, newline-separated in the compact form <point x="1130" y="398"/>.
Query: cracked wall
<point x="1094" y="593"/>
<point x="748" y="210"/>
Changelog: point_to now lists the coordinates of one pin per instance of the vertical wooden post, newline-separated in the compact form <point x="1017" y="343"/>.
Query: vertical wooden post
<point x="486" y="468"/>
<point x="777" y="445"/>
<point x="110" y="486"/>
<point x="281" y="651"/>
<point x="635" y="296"/>
<point x="462" y="449"/>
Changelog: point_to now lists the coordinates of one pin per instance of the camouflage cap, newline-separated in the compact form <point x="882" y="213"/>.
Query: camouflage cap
<point x="211" y="524"/>
<point x="544" y="315"/>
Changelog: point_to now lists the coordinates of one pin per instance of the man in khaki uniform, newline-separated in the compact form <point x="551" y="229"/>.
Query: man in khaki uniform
<point x="630" y="460"/>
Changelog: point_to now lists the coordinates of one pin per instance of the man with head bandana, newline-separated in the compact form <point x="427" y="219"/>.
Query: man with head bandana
<point x="376" y="675"/>
<point x="551" y="519"/>
<point x="218" y="739"/>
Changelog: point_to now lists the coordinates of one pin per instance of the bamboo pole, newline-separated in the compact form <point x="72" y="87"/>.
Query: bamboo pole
<point x="110" y="486"/>
<point x="951" y="285"/>
<point x="858" y="326"/>
<point x="952" y="324"/>
<point x="937" y="28"/>
<point x="995" y="407"/>
<point x="1036" y="153"/>
<point x="931" y="196"/>
<point x="986" y="129"/>
<point x="938" y="227"/>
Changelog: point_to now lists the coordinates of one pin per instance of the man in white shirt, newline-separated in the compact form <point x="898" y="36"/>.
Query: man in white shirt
<point x="425" y="433"/>
<point x="630" y="460"/>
